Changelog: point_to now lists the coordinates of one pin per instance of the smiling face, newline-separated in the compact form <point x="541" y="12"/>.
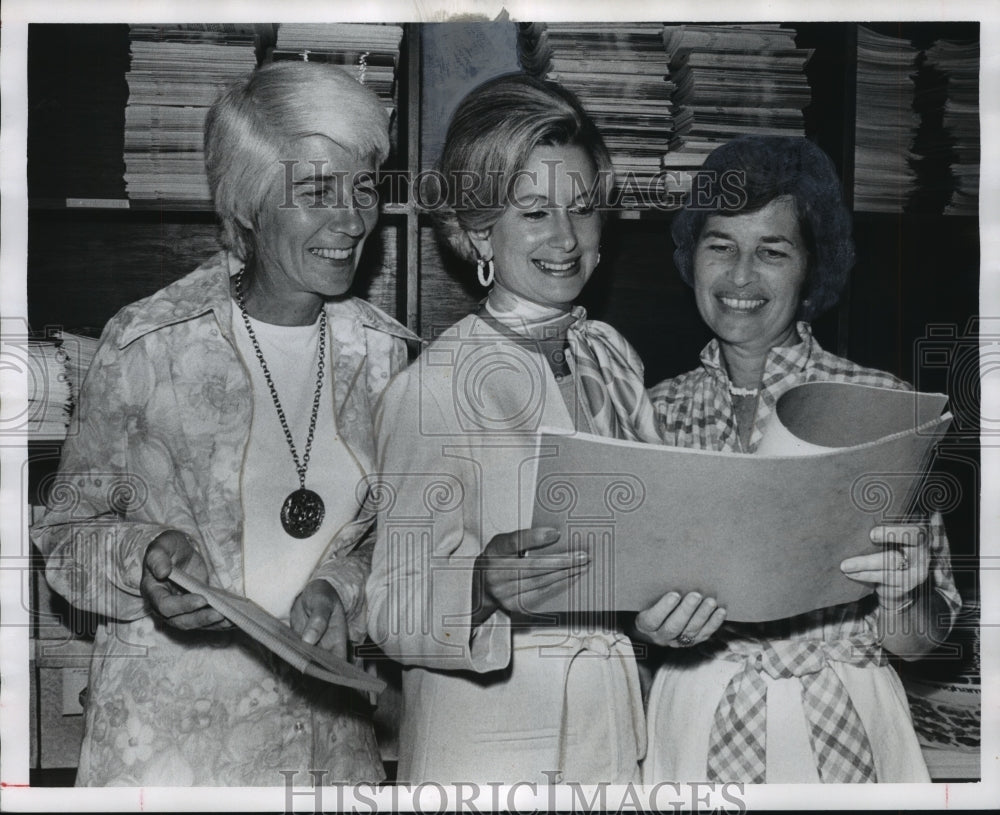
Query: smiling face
<point x="545" y="244"/>
<point x="749" y="270"/>
<point x="311" y="230"/>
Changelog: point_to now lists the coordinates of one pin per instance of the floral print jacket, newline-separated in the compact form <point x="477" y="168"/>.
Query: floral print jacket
<point x="163" y="424"/>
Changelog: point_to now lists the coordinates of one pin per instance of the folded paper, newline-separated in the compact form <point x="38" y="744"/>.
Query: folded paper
<point x="279" y="638"/>
<point x="764" y="534"/>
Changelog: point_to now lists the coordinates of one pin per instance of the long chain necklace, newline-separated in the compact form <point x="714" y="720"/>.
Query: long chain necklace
<point x="303" y="510"/>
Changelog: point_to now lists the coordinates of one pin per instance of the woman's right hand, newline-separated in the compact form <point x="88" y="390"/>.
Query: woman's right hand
<point x="175" y="606"/>
<point x="508" y="577"/>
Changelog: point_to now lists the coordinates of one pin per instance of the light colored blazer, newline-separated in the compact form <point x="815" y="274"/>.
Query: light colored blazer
<point x="455" y="441"/>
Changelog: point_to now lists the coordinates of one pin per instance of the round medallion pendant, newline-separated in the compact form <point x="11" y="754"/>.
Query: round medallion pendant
<point x="302" y="513"/>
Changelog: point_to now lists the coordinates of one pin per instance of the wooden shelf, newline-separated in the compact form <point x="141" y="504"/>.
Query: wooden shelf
<point x="164" y="206"/>
<point x="117" y="204"/>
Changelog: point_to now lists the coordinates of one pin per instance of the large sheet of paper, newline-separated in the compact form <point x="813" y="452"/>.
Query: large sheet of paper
<point x="763" y="533"/>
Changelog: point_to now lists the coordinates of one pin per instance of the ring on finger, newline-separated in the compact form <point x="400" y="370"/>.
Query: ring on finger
<point x="902" y="562"/>
<point x="684" y="639"/>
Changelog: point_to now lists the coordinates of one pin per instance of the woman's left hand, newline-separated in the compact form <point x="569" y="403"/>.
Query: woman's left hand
<point x="902" y="565"/>
<point x="676" y="622"/>
<point x="318" y="616"/>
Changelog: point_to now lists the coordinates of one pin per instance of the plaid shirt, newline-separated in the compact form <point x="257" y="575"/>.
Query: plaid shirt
<point x="695" y="409"/>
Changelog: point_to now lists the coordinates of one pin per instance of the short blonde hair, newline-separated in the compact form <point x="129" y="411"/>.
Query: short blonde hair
<point x="251" y="127"/>
<point x="491" y="135"/>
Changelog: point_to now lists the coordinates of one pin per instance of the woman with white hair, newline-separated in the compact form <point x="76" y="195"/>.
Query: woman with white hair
<point x="224" y="429"/>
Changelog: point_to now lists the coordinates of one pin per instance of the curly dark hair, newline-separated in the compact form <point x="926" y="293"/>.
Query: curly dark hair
<point x="745" y="175"/>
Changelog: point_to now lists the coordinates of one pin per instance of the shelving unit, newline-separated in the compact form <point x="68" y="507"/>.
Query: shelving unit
<point x="77" y="196"/>
<point x="91" y="251"/>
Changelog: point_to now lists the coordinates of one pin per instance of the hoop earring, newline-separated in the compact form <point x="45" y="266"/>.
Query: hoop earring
<point x="484" y="268"/>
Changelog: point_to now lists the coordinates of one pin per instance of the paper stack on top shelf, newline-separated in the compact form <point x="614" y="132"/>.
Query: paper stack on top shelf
<point x="619" y="73"/>
<point x="958" y="62"/>
<point x="370" y="51"/>
<point x="886" y="124"/>
<point x="732" y="80"/>
<point x="176" y="73"/>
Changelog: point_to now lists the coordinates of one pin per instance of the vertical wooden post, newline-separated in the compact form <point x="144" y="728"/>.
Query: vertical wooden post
<point x="850" y="101"/>
<point x="411" y="257"/>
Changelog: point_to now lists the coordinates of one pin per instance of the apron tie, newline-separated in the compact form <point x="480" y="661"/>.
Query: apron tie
<point x="840" y="745"/>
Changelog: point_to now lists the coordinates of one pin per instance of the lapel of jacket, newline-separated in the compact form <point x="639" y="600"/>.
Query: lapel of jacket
<point x="365" y="344"/>
<point x="352" y="411"/>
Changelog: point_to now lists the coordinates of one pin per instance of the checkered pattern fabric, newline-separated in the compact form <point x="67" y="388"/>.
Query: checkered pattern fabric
<point x="611" y="383"/>
<point x="843" y="754"/>
<point x="607" y="371"/>
<point x="695" y="409"/>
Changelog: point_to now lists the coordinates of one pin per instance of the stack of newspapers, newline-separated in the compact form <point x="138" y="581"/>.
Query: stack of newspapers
<point x="176" y="73"/>
<point x="369" y="51"/>
<point x="619" y="73"/>
<point x="886" y="124"/>
<point x="57" y="365"/>
<point x="733" y="80"/>
<point x="958" y="63"/>
<point x="917" y="127"/>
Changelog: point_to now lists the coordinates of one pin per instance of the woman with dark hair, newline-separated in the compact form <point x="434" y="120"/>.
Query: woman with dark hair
<point x="492" y="692"/>
<point x="811" y="698"/>
<point x="225" y="426"/>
